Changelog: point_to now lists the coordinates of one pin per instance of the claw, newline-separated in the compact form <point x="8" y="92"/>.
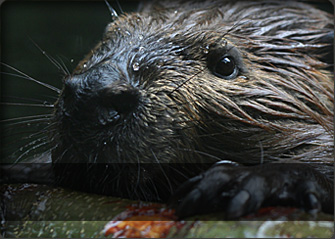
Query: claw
<point x="238" y="191"/>
<point x="184" y="189"/>
<point x="237" y="204"/>
<point x="312" y="203"/>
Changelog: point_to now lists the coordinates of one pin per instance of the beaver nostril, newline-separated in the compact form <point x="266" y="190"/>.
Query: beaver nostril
<point x="123" y="99"/>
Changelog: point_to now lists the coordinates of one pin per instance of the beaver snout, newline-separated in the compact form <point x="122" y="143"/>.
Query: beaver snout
<point x="105" y="92"/>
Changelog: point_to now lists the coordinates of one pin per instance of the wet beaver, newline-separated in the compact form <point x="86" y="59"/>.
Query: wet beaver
<point x="180" y="86"/>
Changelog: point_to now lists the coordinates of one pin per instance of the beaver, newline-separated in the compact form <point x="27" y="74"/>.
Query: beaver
<point x="226" y="105"/>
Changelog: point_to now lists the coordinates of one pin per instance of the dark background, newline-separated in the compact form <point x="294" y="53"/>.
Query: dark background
<point x="65" y="30"/>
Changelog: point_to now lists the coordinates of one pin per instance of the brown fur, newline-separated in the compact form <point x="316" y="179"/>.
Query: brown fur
<point x="278" y="108"/>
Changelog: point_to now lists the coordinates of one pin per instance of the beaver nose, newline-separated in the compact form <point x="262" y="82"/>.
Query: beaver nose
<point x="120" y="97"/>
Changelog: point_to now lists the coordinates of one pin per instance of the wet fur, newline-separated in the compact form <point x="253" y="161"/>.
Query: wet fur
<point x="284" y="100"/>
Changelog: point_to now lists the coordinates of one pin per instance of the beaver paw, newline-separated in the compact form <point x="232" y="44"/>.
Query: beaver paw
<point x="241" y="190"/>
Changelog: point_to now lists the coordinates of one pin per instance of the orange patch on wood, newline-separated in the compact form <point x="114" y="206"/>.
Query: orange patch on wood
<point x="143" y="221"/>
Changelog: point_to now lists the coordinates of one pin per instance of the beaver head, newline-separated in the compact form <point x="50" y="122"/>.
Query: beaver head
<point x="199" y="82"/>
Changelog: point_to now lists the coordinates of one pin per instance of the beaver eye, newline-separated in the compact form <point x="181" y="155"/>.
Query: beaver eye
<point x="226" y="68"/>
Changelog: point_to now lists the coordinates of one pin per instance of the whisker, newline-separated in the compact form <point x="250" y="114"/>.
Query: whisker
<point x="51" y="59"/>
<point x="187" y="80"/>
<point x="32" y="136"/>
<point x="52" y="97"/>
<point x="31" y="149"/>
<point x="26" y="128"/>
<point x="14" y="142"/>
<point x="201" y="152"/>
<point x="30" y="99"/>
<point x="46" y="116"/>
<point x="26" y="78"/>
<point x="161" y="168"/>
<point x="113" y="13"/>
<point x="65" y="151"/>
<point x="47" y="129"/>
<point x="33" y="142"/>
<point x="67" y="72"/>
<point x="138" y="174"/>
<point x="119" y="6"/>
<point x="32" y="133"/>
<point x="32" y="79"/>
<point x="26" y="104"/>
<point x="22" y="130"/>
<point x="29" y="137"/>
<point x="180" y="172"/>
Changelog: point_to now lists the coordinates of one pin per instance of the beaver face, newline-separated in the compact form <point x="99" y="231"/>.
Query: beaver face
<point x="199" y="83"/>
<point x="132" y="103"/>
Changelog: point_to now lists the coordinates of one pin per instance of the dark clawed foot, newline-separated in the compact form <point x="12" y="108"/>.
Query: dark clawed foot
<point x="238" y="191"/>
<point x="309" y="197"/>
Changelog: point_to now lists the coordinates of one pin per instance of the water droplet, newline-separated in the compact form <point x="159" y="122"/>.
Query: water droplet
<point x="206" y="49"/>
<point x="105" y="143"/>
<point x="175" y="12"/>
<point x="84" y="65"/>
<point x="141" y="49"/>
<point x="140" y="37"/>
<point x="136" y="66"/>
<point x="28" y="124"/>
<point x="72" y="60"/>
<point x="21" y="149"/>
